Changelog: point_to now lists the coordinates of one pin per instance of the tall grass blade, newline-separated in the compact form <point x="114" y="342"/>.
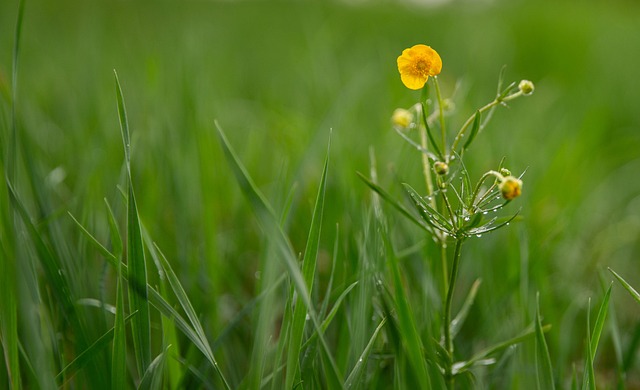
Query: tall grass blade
<point x="185" y="303"/>
<point x="308" y="271"/>
<point x="357" y="371"/>
<point x="270" y="225"/>
<point x="407" y="327"/>
<point x="544" y="369"/>
<point x="138" y="293"/>
<point x="626" y="285"/>
<point x="88" y="354"/>
<point x="599" y="325"/>
<point x="588" y="379"/>
<point x="152" y="378"/>
<point x="119" y="353"/>
<point x="458" y="321"/>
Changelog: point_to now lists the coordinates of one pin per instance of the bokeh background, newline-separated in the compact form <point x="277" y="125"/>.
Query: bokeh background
<point x="284" y="77"/>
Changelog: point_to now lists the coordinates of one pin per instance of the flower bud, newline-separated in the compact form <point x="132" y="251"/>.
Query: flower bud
<point x="402" y="118"/>
<point x="526" y="87"/>
<point x="505" y="172"/>
<point x="510" y="187"/>
<point x="441" y="168"/>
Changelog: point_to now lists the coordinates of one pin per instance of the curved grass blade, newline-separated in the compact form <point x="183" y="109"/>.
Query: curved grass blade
<point x="599" y="325"/>
<point x="308" y="271"/>
<point x="270" y="225"/>
<point x="457" y="322"/>
<point x="425" y="121"/>
<point x="178" y="290"/>
<point x="138" y="292"/>
<point x="154" y="297"/>
<point x="474" y="130"/>
<point x="85" y="356"/>
<point x="356" y="373"/>
<point x="407" y="325"/>
<point x="380" y="191"/>
<point x="544" y="369"/>
<point x="588" y="379"/>
<point x="529" y="332"/>
<point x="626" y="285"/>
<point x="119" y="352"/>
<point x="152" y="378"/>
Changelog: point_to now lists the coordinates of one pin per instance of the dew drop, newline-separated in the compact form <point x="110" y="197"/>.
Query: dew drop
<point x="466" y="218"/>
<point x="307" y="318"/>
<point x="485" y="212"/>
<point x="508" y="223"/>
<point x="478" y="235"/>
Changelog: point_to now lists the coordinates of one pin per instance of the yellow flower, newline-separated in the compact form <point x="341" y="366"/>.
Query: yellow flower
<point x="511" y="187"/>
<point x="416" y="64"/>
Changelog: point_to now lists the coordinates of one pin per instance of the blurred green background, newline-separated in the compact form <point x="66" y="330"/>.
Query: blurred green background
<point x="282" y="78"/>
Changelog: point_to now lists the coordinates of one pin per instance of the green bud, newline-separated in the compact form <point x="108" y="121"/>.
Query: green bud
<point x="441" y="168"/>
<point x="526" y="87"/>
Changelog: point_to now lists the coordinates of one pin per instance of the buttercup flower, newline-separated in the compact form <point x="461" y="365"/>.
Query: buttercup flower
<point x="416" y="64"/>
<point x="510" y="187"/>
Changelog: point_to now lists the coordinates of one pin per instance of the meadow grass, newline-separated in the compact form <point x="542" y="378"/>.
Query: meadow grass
<point x="198" y="220"/>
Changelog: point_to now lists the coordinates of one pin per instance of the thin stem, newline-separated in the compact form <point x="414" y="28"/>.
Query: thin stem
<point x="442" y="128"/>
<point x="445" y="267"/>
<point x="448" y="341"/>
<point x="426" y="170"/>
<point x="482" y="179"/>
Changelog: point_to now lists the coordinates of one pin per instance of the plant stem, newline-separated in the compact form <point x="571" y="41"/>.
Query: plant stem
<point x="448" y="341"/>
<point x="425" y="166"/>
<point x="442" y="128"/>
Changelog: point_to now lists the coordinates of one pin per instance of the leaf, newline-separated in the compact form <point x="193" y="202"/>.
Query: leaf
<point x="457" y="322"/>
<point x="474" y="130"/>
<point x="544" y="370"/>
<point x="430" y="216"/>
<point x="85" y="356"/>
<point x="380" y="191"/>
<point x="270" y="225"/>
<point x="138" y="293"/>
<point x="626" y="285"/>
<point x="597" y="329"/>
<point x="119" y="351"/>
<point x="308" y="271"/>
<point x="355" y="374"/>
<point x="431" y="139"/>
<point x="185" y="303"/>
<point x="152" y="378"/>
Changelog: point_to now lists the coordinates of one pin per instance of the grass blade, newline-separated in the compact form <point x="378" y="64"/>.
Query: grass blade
<point x="457" y="322"/>
<point x="270" y="225"/>
<point x="308" y="271"/>
<point x="626" y="285"/>
<point x="544" y="369"/>
<point x="408" y="330"/>
<point x="138" y="293"/>
<point x="474" y="130"/>
<point x="119" y="353"/>
<point x="185" y="303"/>
<point x="355" y="374"/>
<point x="152" y="378"/>
<point x="597" y="329"/>
<point x="85" y="356"/>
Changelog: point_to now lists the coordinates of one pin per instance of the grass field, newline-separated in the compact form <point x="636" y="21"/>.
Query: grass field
<point x="243" y="262"/>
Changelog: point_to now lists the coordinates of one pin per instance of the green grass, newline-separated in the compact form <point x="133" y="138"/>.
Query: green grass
<point x="236" y="250"/>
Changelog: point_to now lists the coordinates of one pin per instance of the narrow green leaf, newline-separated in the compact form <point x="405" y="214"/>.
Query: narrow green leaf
<point x="270" y="224"/>
<point x="185" y="303"/>
<point x="626" y="285"/>
<point x="408" y="330"/>
<point x="544" y="369"/>
<point x="332" y="313"/>
<point x="356" y="373"/>
<point x="85" y="356"/>
<point x="526" y="334"/>
<point x="430" y="215"/>
<point x="458" y="321"/>
<point x="119" y="353"/>
<point x="308" y="271"/>
<point x="116" y="239"/>
<point x="152" y="379"/>
<point x="101" y="248"/>
<point x="588" y="379"/>
<point x="138" y="293"/>
<point x="599" y="325"/>
<point x="429" y="133"/>
<point x="474" y="130"/>
<point x="380" y="191"/>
